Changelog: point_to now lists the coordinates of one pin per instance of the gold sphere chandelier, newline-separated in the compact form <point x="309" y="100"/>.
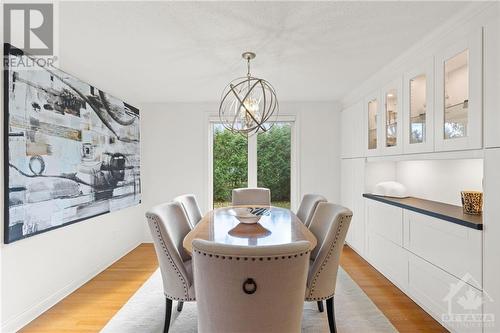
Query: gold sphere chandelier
<point x="247" y="103"/>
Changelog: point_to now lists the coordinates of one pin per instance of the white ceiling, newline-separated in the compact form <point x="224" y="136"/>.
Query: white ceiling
<point x="185" y="51"/>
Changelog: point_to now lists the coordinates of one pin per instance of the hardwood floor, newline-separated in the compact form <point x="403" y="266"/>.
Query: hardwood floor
<point x="89" y="308"/>
<point x="403" y="313"/>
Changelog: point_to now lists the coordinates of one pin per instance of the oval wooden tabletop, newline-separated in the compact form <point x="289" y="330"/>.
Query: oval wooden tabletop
<point x="276" y="226"/>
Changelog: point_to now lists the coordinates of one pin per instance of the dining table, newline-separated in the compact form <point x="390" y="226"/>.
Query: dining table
<point x="250" y="226"/>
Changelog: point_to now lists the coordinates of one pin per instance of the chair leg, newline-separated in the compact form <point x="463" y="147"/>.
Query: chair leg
<point x="320" y="306"/>
<point x="180" y="304"/>
<point x="331" y="315"/>
<point x="168" y="313"/>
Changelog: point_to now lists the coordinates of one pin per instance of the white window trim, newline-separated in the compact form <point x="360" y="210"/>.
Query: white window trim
<point x="252" y="171"/>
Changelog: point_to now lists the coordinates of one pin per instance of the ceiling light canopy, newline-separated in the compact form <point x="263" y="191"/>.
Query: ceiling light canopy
<point x="247" y="103"/>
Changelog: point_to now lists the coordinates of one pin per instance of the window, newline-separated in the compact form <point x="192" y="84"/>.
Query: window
<point x="230" y="164"/>
<point x="263" y="160"/>
<point x="274" y="155"/>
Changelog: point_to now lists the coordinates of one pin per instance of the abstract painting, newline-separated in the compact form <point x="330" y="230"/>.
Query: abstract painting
<point x="71" y="150"/>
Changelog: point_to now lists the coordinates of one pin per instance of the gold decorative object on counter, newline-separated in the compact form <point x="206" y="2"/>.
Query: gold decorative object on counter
<point x="472" y="202"/>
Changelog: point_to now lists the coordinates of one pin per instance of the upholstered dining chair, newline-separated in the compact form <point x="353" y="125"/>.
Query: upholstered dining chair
<point x="308" y="207"/>
<point x="169" y="225"/>
<point x="190" y="205"/>
<point x="329" y="224"/>
<point x="251" y="196"/>
<point x="242" y="289"/>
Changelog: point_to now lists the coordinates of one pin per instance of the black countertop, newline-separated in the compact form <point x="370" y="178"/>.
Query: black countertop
<point x="436" y="209"/>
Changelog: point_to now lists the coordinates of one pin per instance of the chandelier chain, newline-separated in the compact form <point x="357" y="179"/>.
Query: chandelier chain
<point x="248" y="67"/>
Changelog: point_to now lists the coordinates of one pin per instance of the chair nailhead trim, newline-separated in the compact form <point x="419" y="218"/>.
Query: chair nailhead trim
<point x="153" y="218"/>
<point x="319" y="298"/>
<point x="252" y="258"/>
<point x="323" y="264"/>
<point x="189" y="299"/>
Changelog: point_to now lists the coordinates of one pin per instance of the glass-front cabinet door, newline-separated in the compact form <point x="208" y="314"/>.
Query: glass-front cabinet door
<point x="372" y="124"/>
<point x="391" y="122"/>
<point x="458" y="95"/>
<point x="418" y="109"/>
<point x="392" y="118"/>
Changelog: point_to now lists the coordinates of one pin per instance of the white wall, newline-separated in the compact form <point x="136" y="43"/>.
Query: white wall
<point x="319" y="147"/>
<point x="376" y="172"/>
<point x="175" y="150"/>
<point x="38" y="272"/>
<point x="440" y="180"/>
<point x="174" y="154"/>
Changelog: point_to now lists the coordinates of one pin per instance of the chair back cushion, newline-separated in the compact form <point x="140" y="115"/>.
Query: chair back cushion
<point x="329" y="224"/>
<point x="250" y="289"/>
<point x="169" y="225"/>
<point x="190" y="205"/>
<point x="251" y="196"/>
<point x="308" y="206"/>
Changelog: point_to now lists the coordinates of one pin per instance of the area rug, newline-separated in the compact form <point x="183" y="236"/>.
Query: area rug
<point x="144" y="312"/>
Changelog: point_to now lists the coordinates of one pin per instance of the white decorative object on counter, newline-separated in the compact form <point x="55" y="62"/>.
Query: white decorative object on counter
<point x="391" y="189"/>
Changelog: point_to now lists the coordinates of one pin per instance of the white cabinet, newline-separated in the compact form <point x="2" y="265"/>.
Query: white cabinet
<point x="346" y="133"/>
<point x="389" y="258"/>
<point x="454" y="248"/>
<point x="385" y="220"/>
<point x="418" y="109"/>
<point x="458" y="96"/>
<point x="373" y="123"/>
<point x="392" y="118"/>
<point x="352" y="135"/>
<point x="492" y="81"/>
<point x="428" y="285"/>
<point x="385" y="240"/>
<point x="438" y="104"/>
<point x="346" y="194"/>
<point x="491" y="271"/>
<point x="352" y="187"/>
<point x="445" y="297"/>
<point x="436" y="262"/>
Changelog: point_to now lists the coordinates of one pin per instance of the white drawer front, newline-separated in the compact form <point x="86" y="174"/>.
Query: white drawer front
<point x="441" y="294"/>
<point x="389" y="258"/>
<point x="385" y="220"/>
<point x="452" y="247"/>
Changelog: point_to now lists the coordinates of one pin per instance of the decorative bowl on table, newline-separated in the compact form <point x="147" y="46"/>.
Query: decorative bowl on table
<point x="245" y="215"/>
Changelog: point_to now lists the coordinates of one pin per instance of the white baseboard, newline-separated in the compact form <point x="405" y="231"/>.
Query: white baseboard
<point x="24" y="318"/>
<point x="355" y="250"/>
